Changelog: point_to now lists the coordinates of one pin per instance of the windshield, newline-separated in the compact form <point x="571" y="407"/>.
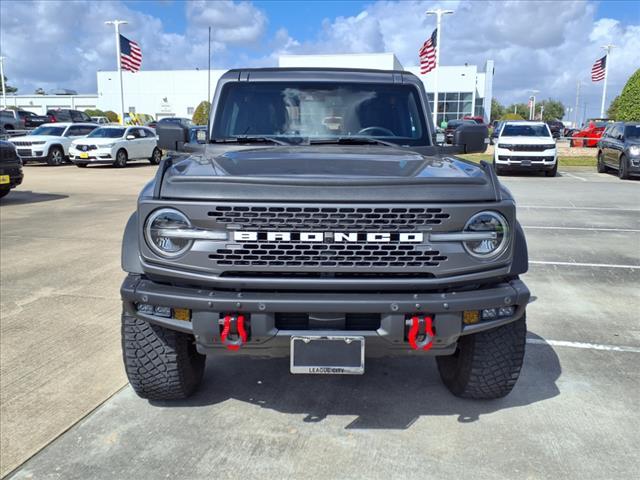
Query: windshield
<point x="55" y="131"/>
<point x="632" y="131"/>
<point x="321" y="110"/>
<point x="525" y="131"/>
<point x="107" y="133"/>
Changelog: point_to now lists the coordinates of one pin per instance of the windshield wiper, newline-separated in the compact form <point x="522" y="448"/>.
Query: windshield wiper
<point x="351" y="140"/>
<point x="249" y="139"/>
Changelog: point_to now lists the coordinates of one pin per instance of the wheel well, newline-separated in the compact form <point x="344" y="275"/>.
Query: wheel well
<point x="8" y="127"/>
<point x="54" y="146"/>
<point x="123" y="149"/>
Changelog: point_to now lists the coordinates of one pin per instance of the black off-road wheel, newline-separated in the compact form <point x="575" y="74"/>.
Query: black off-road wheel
<point x="623" y="168"/>
<point x="156" y="156"/>
<point x="486" y="365"/>
<point x="600" y="166"/>
<point x="161" y="364"/>
<point x="56" y="156"/>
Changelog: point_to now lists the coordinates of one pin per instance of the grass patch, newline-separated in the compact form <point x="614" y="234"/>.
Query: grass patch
<point x="564" y="161"/>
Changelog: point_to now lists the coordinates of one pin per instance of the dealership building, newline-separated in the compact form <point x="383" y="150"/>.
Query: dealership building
<point x="463" y="90"/>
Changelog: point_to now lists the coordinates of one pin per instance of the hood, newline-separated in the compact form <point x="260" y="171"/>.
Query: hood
<point x="527" y="140"/>
<point x="35" y="138"/>
<point x="324" y="172"/>
<point x="95" y="141"/>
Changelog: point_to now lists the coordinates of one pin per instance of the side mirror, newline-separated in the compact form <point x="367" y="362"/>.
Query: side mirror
<point x="131" y="137"/>
<point x="172" y="136"/>
<point x="472" y="138"/>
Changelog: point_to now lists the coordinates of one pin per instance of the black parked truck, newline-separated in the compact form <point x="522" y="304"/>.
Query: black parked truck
<point x="317" y="220"/>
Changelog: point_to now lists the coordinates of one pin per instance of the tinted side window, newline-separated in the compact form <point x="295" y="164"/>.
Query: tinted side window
<point x="73" y="132"/>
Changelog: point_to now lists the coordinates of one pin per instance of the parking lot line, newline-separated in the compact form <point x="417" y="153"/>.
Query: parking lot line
<point x="589" y="229"/>
<point x="570" y="207"/>
<point x="578" y="264"/>
<point x="583" y="345"/>
<point x="574" y="176"/>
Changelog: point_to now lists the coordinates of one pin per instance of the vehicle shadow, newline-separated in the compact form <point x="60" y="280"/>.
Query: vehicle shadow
<point x="22" y="197"/>
<point x="393" y="393"/>
<point x="129" y="165"/>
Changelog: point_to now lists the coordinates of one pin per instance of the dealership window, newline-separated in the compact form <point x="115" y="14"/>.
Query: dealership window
<point x="452" y="105"/>
<point x="479" y="110"/>
<point x="190" y="110"/>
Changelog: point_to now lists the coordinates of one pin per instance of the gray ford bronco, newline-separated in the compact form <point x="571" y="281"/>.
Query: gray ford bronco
<point x="317" y="219"/>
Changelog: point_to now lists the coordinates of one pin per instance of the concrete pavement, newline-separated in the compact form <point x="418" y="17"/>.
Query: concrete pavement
<point x="573" y="413"/>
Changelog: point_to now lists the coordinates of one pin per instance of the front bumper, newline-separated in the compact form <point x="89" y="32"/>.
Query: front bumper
<point x="14" y="172"/>
<point x="100" y="155"/>
<point x="508" y="160"/>
<point x="208" y="306"/>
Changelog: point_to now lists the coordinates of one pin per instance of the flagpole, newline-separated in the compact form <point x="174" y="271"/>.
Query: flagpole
<point x="606" y="71"/>
<point x="439" y="12"/>
<point x="116" y="24"/>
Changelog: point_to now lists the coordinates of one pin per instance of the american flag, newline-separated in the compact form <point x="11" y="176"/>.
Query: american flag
<point x="598" y="69"/>
<point x="130" y="54"/>
<point x="428" y="53"/>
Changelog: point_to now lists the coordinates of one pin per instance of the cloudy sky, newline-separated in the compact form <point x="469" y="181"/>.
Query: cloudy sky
<point x="541" y="45"/>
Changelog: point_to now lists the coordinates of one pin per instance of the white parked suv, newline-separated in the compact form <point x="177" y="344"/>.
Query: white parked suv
<point x="527" y="146"/>
<point x="116" y="145"/>
<point x="50" y="142"/>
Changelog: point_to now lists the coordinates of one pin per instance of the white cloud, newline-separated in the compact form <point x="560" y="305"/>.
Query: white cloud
<point x="534" y="44"/>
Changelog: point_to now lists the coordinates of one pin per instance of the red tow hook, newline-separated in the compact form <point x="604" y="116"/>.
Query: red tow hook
<point x="226" y="329"/>
<point x="416" y="323"/>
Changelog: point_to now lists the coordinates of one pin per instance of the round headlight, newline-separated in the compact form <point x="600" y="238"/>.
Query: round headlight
<point x="487" y="222"/>
<point x="157" y="232"/>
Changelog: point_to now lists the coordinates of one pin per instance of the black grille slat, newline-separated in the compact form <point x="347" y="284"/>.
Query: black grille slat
<point x="328" y="255"/>
<point x="329" y="218"/>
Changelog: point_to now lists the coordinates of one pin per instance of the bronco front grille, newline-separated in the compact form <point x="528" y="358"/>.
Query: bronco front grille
<point x="337" y="255"/>
<point x="328" y="218"/>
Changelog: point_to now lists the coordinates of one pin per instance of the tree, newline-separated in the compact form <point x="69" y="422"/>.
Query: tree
<point x="511" y="116"/>
<point x="8" y="87"/>
<point x="520" y="109"/>
<point x="497" y="109"/>
<point x="553" y="110"/>
<point x="111" y="116"/>
<point x="628" y="106"/>
<point x="39" y="91"/>
<point x="612" y="111"/>
<point x="201" y="115"/>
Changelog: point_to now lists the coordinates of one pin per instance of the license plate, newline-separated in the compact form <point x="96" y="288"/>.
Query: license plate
<point x="4" y="179"/>
<point x="327" y="355"/>
<point x="84" y="155"/>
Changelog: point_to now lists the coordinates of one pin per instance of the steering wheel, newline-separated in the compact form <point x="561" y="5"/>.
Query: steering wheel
<point x="371" y="131"/>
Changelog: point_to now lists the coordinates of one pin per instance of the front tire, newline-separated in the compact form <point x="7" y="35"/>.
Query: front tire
<point x="156" y="156"/>
<point x="600" y="165"/>
<point x="121" y="159"/>
<point x="161" y="364"/>
<point x="487" y="364"/>
<point x="553" y="172"/>
<point x="623" y="168"/>
<point x="55" y="157"/>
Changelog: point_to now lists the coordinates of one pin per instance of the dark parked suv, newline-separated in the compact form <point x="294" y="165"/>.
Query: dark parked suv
<point x="67" y="115"/>
<point x="619" y="149"/>
<point x="10" y="168"/>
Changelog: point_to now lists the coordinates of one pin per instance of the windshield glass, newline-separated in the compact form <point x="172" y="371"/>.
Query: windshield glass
<point x="321" y="110"/>
<point x="524" y="131"/>
<point x="632" y="131"/>
<point x="107" y="133"/>
<point x="55" y="131"/>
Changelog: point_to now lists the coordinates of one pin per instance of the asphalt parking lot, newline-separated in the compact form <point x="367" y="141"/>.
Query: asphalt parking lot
<point x="573" y="413"/>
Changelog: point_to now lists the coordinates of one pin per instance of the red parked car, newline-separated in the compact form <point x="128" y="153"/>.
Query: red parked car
<point x="478" y="119"/>
<point x="589" y="136"/>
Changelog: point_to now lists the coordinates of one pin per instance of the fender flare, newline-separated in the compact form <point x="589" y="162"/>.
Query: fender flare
<point x="520" y="263"/>
<point x="130" y="259"/>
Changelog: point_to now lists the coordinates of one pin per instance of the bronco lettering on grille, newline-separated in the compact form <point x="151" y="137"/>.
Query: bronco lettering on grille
<point x="368" y="237"/>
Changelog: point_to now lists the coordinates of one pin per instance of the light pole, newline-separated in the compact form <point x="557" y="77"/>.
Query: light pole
<point x="532" y="107"/>
<point x="607" y="48"/>
<point x="575" y="122"/>
<point x="116" y="24"/>
<point x="438" y="12"/>
<point x="4" y="92"/>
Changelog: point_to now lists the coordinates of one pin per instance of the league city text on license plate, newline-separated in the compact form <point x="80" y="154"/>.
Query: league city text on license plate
<point x="341" y="355"/>
<point x="4" y="179"/>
